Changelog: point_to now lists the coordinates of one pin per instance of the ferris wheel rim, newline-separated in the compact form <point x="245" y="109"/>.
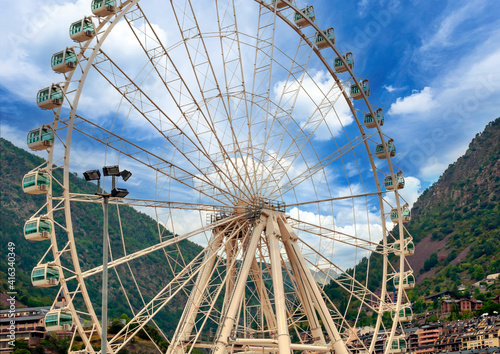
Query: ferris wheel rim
<point x="346" y="98"/>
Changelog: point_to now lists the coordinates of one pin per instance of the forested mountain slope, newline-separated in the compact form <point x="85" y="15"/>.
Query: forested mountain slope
<point x="455" y="225"/>
<point x="456" y="222"/>
<point x="140" y="231"/>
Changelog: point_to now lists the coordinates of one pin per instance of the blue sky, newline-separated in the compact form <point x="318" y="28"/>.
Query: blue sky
<point x="432" y="66"/>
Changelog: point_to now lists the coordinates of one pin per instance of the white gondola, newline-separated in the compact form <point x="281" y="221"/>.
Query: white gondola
<point x="38" y="229"/>
<point x="398" y="345"/>
<point x="408" y="280"/>
<point x="405" y="314"/>
<point x="103" y="8"/>
<point x="321" y="38"/>
<point x="339" y="65"/>
<point x="50" y="97"/>
<point x="300" y="18"/>
<point x="408" y="248"/>
<point x="36" y="182"/>
<point x="41" y="138"/>
<point x="280" y="3"/>
<point x="58" y="321"/>
<point x="356" y="92"/>
<point x="82" y="30"/>
<point x="45" y="275"/>
<point x="406" y="214"/>
<point x="370" y="122"/>
<point x="382" y="152"/>
<point x="389" y="182"/>
<point x="64" y="61"/>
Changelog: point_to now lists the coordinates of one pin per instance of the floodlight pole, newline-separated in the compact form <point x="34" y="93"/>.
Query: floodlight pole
<point x="105" y="251"/>
<point x="93" y="175"/>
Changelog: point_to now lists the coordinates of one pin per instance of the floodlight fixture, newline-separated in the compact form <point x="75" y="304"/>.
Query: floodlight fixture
<point x="125" y="175"/>
<point x="92" y="175"/>
<point x="119" y="192"/>
<point x="111" y="170"/>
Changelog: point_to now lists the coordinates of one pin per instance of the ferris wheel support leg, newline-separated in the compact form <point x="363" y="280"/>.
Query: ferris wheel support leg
<point x="239" y="289"/>
<point x="186" y="324"/>
<point x="312" y="287"/>
<point x="278" y="287"/>
<point x="231" y="251"/>
<point x="305" y="299"/>
<point x="267" y="309"/>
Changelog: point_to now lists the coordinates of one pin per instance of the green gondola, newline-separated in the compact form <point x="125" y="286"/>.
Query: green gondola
<point x="321" y="37"/>
<point x="339" y="65"/>
<point x="50" y="97"/>
<point x="406" y="214"/>
<point x="370" y="122"/>
<point x="38" y="229"/>
<point x="382" y="152"/>
<point x="36" y="182"/>
<point x="64" y="61"/>
<point x="356" y="92"/>
<point x="389" y="182"/>
<point x="58" y="321"/>
<point x="82" y="30"/>
<point x="44" y="276"/>
<point x="103" y="8"/>
<point x="41" y="138"/>
<point x="300" y="18"/>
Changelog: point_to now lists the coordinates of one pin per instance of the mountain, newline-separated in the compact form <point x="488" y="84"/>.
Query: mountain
<point x="140" y="231"/>
<point x="456" y="222"/>
<point x="456" y="227"/>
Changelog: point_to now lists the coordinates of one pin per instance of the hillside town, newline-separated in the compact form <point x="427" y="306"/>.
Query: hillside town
<point x="465" y="336"/>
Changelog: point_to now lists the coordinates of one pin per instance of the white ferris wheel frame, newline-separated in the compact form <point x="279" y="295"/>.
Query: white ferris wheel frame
<point x="268" y="220"/>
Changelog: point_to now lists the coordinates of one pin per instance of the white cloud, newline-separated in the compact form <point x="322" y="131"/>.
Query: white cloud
<point x="463" y="101"/>
<point x="341" y="254"/>
<point x="315" y="91"/>
<point x="417" y="102"/>
<point x="448" y="26"/>
<point x="391" y="88"/>
<point x="412" y="190"/>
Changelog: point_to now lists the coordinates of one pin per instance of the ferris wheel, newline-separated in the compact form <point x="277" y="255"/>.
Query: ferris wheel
<point x="253" y="138"/>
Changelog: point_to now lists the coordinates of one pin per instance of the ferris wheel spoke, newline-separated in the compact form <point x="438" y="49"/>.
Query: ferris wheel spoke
<point x="285" y="106"/>
<point x="234" y="78"/>
<point x="134" y="279"/>
<point x="186" y="103"/>
<point x="338" y="236"/>
<point x="204" y="72"/>
<point x="181" y="280"/>
<point x="148" y="203"/>
<point x="150" y="160"/>
<point x="171" y="241"/>
<point x="347" y="282"/>
<point x="262" y="75"/>
<point x="307" y="130"/>
<point x="203" y="296"/>
<point x="194" y="154"/>
<point x="321" y="165"/>
<point x="328" y="200"/>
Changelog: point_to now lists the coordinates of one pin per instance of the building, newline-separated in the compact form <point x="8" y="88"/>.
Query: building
<point x="29" y="325"/>
<point x="447" y="305"/>
<point x="464" y="305"/>
<point x="427" y="337"/>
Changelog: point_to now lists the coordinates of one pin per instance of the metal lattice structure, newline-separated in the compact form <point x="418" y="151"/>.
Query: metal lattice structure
<point x="245" y="114"/>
